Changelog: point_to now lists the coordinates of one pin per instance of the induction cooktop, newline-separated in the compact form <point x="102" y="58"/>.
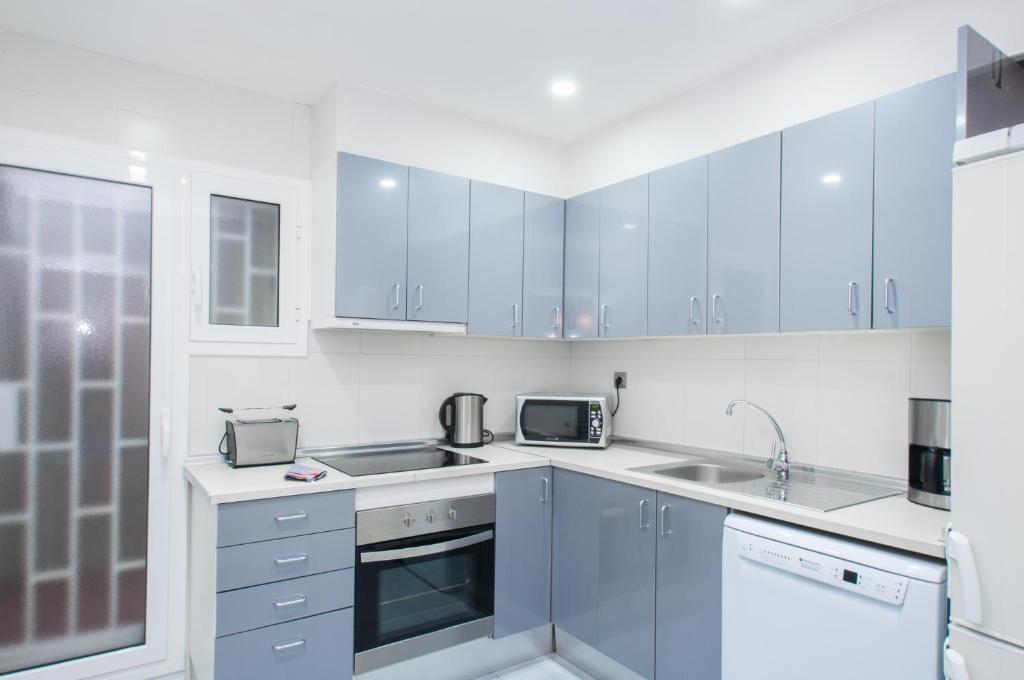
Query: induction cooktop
<point x="359" y="461"/>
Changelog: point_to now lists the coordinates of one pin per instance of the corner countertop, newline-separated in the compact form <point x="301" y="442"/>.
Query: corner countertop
<point x="892" y="521"/>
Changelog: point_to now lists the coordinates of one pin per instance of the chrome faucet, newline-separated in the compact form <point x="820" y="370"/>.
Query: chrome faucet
<point x="779" y="458"/>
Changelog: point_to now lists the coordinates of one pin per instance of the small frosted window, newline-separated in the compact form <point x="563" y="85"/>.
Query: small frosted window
<point x="245" y="238"/>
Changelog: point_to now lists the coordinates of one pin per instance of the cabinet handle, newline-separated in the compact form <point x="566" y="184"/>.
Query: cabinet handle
<point x="693" y="317"/>
<point x="555" y="317"/>
<point x="604" y="316"/>
<point x="281" y="561"/>
<point x="666" y="515"/>
<point x="851" y="299"/>
<point x="419" y="296"/>
<point x="291" y="518"/>
<point x="714" y="308"/>
<point x="515" y="314"/>
<point x="644" y="522"/>
<point x="289" y="645"/>
<point x="284" y="604"/>
<point x="890" y="286"/>
<point x="398" y="295"/>
<point x="544" y="489"/>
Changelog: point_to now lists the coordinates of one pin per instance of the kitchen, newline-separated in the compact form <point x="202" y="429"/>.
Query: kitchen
<point x="612" y="372"/>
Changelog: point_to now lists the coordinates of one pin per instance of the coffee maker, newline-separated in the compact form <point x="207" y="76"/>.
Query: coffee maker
<point x="928" y="475"/>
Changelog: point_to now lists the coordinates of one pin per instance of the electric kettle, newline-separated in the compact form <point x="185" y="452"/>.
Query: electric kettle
<point x="462" y="418"/>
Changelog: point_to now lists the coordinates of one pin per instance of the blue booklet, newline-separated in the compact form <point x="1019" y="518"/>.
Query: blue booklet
<point x="304" y="473"/>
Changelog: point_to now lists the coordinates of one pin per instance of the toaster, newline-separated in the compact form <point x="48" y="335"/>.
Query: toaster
<point x="259" y="441"/>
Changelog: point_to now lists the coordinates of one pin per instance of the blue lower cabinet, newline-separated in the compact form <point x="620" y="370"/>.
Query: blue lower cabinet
<point x="522" y="578"/>
<point x="688" y="627"/>
<point x="574" y="555"/>
<point x="314" y="648"/>
<point x="251" y="564"/>
<point x="248" y="608"/>
<point x="626" y="575"/>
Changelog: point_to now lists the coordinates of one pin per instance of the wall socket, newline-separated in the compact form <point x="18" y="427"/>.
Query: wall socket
<point x="619" y="374"/>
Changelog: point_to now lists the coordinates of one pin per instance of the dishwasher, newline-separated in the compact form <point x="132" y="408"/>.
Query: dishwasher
<point x="802" y="605"/>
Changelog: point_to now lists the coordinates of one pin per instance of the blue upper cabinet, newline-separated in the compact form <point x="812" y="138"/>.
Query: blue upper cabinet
<point x="623" y="270"/>
<point x="914" y="134"/>
<point x="438" y="247"/>
<point x="495" y="260"/>
<point x="522" y="571"/>
<point x="582" y="259"/>
<point x="678" y="264"/>
<point x="744" y="184"/>
<point x="371" y="248"/>
<point x="827" y="171"/>
<point x="543" y="239"/>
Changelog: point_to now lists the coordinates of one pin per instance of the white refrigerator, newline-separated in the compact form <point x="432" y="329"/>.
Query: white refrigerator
<point x="985" y="547"/>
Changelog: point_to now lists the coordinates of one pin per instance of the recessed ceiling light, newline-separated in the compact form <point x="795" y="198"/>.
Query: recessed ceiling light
<point x="563" y="88"/>
<point x="388" y="183"/>
<point x="831" y="178"/>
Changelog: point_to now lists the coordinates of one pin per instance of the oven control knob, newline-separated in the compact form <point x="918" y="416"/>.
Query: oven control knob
<point x="431" y="516"/>
<point x="408" y="521"/>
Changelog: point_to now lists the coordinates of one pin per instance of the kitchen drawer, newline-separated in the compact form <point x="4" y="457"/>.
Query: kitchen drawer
<point x="258" y="606"/>
<point x="262" y="520"/>
<point x="314" y="648"/>
<point x="239" y="566"/>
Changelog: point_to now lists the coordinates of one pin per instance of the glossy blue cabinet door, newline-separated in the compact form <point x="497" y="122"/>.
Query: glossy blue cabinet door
<point x="827" y="176"/>
<point x="626" y="575"/>
<point x="623" y="271"/>
<point x="438" y="247"/>
<point x="743" y="237"/>
<point x="522" y="573"/>
<point x="371" y="249"/>
<point x="543" y="240"/>
<point x="914" y="134"/>
<point x="689" y="590"/>
<point x="582" y="259"/>
<point x="678" y="263"/>
<point x="495" y="260"/>
<point x="574" y="555"/>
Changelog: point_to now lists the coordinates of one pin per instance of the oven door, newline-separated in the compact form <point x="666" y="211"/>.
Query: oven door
<point x="415" y="595"/>
<point x="561" y="421"/>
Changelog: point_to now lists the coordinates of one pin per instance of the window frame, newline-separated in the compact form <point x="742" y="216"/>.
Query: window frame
<point x="289" y="337"/>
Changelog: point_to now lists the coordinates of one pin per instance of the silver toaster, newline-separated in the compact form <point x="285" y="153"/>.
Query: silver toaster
<point x="259" y="441"/>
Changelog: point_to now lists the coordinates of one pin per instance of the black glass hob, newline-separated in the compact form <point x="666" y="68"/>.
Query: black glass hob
<point x="378" y="461"/>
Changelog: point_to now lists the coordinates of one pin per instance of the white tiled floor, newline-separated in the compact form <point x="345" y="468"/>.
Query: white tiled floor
<point x="551" y="667"/>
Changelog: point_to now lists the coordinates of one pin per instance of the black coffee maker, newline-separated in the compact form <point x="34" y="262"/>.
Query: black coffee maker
<point x="928" y="473"/>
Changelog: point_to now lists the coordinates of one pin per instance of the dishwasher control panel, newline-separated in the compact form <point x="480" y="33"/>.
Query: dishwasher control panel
<point x="842" y="574"/>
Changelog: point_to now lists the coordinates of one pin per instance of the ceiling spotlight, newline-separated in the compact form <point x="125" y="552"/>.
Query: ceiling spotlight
<point x="563" y="88"/>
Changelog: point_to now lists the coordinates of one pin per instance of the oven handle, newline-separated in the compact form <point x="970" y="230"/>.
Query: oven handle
<point x="423" y="550"/>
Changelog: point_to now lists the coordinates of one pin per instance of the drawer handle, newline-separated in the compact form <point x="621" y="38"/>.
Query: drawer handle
<point x="291" y="518"/>
<point x="281" y="561"/>
<point x="283" y="604"/>
<point x="284" y="646"/>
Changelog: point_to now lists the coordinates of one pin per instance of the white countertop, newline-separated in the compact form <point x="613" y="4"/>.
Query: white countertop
<point x="892" y="521"/>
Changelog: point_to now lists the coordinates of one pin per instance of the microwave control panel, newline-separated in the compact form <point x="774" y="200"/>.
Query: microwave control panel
<point x="596" y="422"/>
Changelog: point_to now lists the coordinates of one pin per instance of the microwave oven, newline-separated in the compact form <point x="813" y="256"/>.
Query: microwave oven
<point x="563" y="419"/>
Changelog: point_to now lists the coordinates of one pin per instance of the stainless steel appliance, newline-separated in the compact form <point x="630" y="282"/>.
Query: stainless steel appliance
<point x="259" y="440"/>
<point x="462" y="418"/>
<point x="563" y="419"/>
<point x="929" y="453"/>
<point x="357" y="461"/>
<point x="424" y="578"/>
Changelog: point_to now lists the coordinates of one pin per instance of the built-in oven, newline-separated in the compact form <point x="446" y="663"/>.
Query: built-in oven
<point x="424" y="578"/>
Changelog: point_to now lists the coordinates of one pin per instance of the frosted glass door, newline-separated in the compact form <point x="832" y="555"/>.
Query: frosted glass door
<point x="74" y="414"/>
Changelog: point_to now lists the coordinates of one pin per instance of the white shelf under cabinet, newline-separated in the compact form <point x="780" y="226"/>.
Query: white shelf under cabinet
<point x="344" y="323"/>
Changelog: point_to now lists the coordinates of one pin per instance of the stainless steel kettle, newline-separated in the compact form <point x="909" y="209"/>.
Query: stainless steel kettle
<point x="462" y="418"/>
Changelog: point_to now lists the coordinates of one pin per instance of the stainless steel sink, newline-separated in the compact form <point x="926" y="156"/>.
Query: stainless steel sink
<point x="709" y="473"/>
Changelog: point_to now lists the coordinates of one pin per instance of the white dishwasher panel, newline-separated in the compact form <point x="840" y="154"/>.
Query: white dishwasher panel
<point x="800" y="605"/>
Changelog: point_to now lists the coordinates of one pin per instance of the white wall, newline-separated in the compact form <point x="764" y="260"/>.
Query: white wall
<point x="882" y="50"/>
<point x="52" y="87"/>
<point x="363" y="386"/>
<point x="840" y="398"/>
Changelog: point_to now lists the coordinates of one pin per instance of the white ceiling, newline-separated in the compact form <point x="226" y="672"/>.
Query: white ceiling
<point x="487" y="59"/>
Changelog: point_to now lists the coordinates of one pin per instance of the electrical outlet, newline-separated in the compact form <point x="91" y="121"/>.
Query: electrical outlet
<point x="620" y="374"/>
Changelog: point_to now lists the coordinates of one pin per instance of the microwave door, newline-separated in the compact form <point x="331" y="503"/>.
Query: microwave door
<point x="554" y="421"/>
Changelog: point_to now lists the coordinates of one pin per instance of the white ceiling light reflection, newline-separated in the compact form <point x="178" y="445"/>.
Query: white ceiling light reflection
<point x="563" y="88"/>
<point x="388" y="183"/>
<point x="84" y="327"/>
<point x="629" y="227"/>
<point x="831" y="178"/>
